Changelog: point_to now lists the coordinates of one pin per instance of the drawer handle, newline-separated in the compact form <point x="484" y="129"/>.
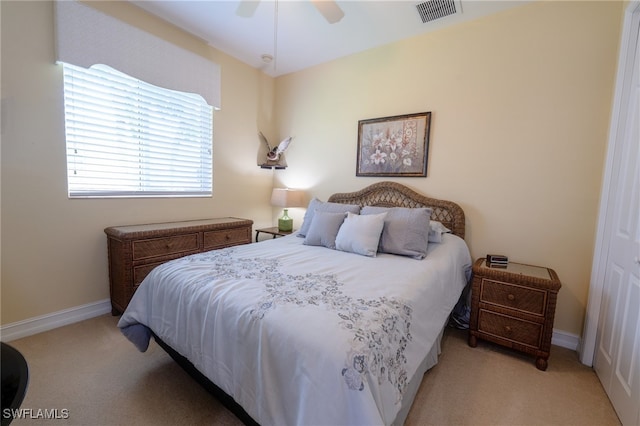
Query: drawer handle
<point x="511" y="297"/>
<point x="227" y="237"/>
<point x="168" y="245"/>
<point x="507" y="329"/>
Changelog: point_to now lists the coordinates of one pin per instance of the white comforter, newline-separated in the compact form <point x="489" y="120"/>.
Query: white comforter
<point x="302" y="335"/>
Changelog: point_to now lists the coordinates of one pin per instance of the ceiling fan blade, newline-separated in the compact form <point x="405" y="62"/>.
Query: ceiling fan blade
<point x="247" y="8"/>
<point x="329" y="9"/>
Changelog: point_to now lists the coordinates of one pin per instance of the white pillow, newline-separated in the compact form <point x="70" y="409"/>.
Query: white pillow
<point x="436" y="229"/>
<point x="360" y="234"/>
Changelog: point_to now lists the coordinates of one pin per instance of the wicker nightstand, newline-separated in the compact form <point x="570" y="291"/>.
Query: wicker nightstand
<point x="514" y="306"/>
<point x="272" y="231"/>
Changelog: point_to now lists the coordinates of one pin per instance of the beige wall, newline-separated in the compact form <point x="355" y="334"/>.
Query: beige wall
<point x="521" y="104"/>
<point x="53" y="248"/>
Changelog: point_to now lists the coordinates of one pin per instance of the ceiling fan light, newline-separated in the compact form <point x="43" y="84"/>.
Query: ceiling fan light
<point x="247" y="8"/>
<point x="329" y="9"/>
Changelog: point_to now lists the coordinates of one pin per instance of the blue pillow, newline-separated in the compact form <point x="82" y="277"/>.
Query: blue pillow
<point x="317" y="205"/>
<point x="406" y="230"/>
<point x="324" y="228"/>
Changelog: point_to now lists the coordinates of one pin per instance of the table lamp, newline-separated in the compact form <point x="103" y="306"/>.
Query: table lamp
<point x="285" y="197"/>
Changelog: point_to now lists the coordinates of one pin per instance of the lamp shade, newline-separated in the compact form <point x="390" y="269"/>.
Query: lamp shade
<point x="285" y="197"/>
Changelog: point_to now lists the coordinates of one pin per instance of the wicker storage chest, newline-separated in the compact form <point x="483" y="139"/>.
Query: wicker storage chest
<point x="514" y="306"/>
<point x="136" y="249"/>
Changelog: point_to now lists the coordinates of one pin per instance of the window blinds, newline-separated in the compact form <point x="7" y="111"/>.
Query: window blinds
<point x="86" y="36"/>
<point x="126" y="137"/>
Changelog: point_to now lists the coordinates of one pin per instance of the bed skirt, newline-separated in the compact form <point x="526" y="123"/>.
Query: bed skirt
<point x="230" y="404"/>
<point x="412" y="389"/>
<point x="227" y="401"/>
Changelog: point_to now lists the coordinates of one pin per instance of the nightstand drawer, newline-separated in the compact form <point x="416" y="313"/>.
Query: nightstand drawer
<point x="512" y="329"/>
<point x="155" y="247"/>
<point x="227" y="237"/>
<point x="513" y="296"/>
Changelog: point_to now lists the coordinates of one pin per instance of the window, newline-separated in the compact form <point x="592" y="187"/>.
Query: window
<point x="128" y="138"/>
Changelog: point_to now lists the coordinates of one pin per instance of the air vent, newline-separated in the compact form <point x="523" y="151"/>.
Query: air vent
<point x="435" y="9"/>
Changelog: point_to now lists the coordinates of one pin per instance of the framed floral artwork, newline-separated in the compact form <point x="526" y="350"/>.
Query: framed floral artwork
<point x="395" y="146"/>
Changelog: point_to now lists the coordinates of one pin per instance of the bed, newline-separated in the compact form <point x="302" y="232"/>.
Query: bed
<point x="313" y="330"/>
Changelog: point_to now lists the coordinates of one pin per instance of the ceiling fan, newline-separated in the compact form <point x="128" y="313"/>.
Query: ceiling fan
<point x="328" y="8"/>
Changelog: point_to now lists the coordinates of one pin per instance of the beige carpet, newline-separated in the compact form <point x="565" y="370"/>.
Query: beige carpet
<point x="92" y="371"/>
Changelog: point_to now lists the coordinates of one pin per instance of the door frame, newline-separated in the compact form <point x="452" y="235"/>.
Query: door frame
<point x="626" y="61"/>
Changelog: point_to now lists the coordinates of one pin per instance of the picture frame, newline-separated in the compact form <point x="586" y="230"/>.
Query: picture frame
<point x="396" y="146"/>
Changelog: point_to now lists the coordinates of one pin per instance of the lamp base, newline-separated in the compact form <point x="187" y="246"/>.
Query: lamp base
<point x="285" y="223"/>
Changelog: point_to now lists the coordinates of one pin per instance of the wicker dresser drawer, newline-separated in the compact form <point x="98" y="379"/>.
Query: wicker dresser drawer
<point x="509" y="328"/>
<point x="514" y="306"/>
<point x="154" y="247"/>
<point x="513" y="296"/>
<point x="141" y="272"/>
<point x="226" y="238"/>
<point x="136" y="249"/>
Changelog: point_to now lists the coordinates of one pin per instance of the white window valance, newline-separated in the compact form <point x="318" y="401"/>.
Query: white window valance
<point x="86" y="36"/>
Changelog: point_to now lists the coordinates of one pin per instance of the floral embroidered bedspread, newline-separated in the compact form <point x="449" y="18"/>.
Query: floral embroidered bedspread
<point x="299" y="334"/>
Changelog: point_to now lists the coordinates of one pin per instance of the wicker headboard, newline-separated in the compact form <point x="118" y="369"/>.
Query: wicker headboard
<point x="392" y="194"/>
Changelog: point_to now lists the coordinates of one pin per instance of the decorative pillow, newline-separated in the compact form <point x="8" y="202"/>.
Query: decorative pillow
<point x="436" y="229"/>
<point x="360" y="234"/>
<point x="323" y="206"/>
<point x="406" y="230"/>
<point x="324" y="228"/>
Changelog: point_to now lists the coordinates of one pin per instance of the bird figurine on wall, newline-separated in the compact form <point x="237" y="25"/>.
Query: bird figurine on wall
<point x="274" y="153"/>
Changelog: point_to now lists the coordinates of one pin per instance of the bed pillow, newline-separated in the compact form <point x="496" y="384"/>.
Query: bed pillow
<point x="323" y="206"/>
<point x="436" y="229"/>
<point x="360" y="234"/>
<point x="406" y="230"/>
<point x="323" y="229"/>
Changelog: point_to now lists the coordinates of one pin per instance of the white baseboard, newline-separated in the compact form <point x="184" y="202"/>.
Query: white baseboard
<point x="28" y="327"/>
<point x="565" y="340"/>
<point x="47" y="322"/>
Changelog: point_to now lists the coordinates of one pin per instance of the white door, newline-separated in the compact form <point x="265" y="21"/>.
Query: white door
<point x="617" y="358"/>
